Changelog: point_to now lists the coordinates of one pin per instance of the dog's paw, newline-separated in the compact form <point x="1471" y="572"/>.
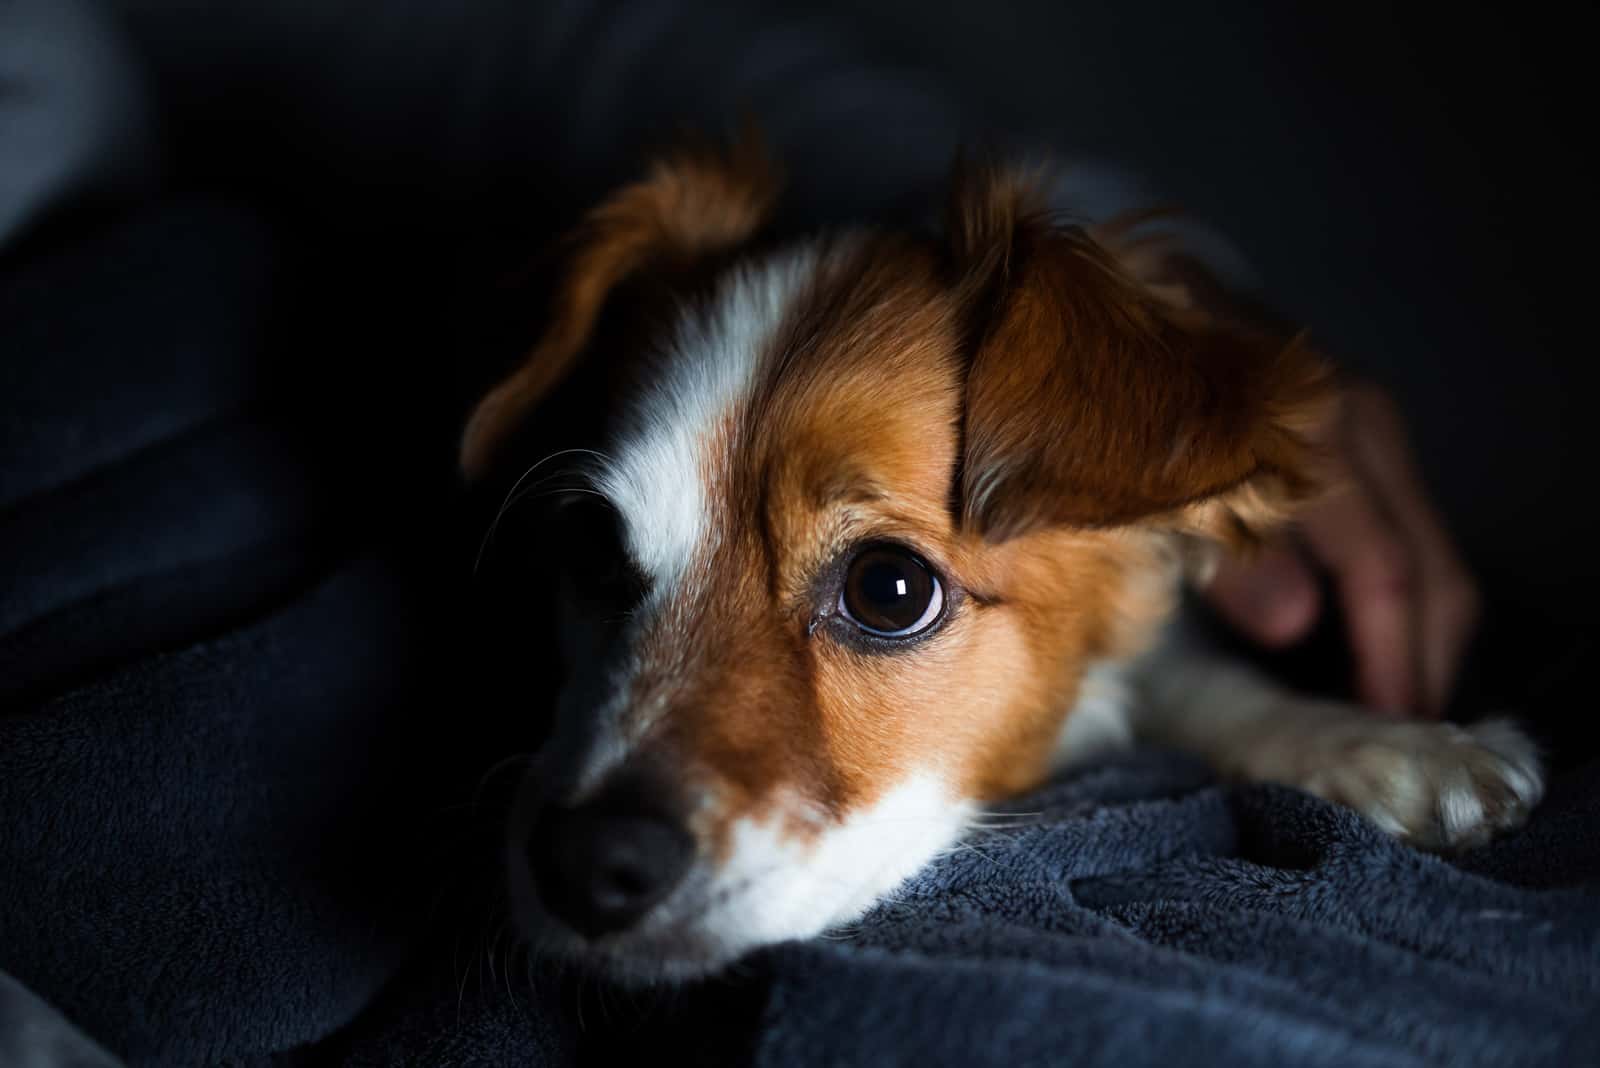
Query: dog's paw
<point x="1436" y="785"/>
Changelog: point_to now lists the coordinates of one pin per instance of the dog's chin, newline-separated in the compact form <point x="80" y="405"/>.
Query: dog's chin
<point x="710" y="924"/>
<point x="771" y="889"/>
<point x="643" y="962"/>
<point x="654" y="954"/>
<point x="695" y="934"/>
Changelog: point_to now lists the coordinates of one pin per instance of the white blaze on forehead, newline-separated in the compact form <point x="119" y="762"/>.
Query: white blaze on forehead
<point x="657" y="479"/>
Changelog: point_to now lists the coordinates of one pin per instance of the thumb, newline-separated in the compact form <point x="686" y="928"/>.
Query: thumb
<point x="1272" y="597"/>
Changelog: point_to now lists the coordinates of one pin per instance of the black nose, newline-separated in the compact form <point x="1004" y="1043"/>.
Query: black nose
<point x="601" y="865"/>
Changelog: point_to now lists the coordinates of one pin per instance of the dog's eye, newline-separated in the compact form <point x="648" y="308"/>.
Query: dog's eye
<point x="890" y="593"/>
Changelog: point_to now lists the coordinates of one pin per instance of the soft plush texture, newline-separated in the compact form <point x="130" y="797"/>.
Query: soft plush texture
<point x="247" y="746"/>
<point x="197" y="678"/>
<point x="1136" y="913"/>
<point x="236" y="731"/>
<point x="34" y="1035"/>
<point x="1154" y="918"/>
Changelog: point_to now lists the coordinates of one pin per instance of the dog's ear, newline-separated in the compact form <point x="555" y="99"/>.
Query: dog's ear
<point x="1095" y="398"/>
<point x="690" y="205"/>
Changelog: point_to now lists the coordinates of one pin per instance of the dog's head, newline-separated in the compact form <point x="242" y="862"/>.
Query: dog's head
<point x="877" y="504"/>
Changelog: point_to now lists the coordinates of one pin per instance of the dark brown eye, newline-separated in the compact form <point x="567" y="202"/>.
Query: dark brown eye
<point x="890" y="593"/>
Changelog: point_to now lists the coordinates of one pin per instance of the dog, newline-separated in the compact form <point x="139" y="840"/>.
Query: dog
<point x="888" y="526"/>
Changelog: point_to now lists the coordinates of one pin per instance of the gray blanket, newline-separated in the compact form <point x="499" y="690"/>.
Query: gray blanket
<point x="1150" y="917"/>
<point x="1137" y="913"/>
<point x="233" y="730"/>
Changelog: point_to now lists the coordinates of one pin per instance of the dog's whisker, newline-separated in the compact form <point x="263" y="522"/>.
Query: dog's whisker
<point x="495" y="769"/>
<point x="997" y="825"/>
<point x="461" y="982"/>
<point x="564" y="491"/>
<point x="515" y="486"/>
<point x="534" y="488"/>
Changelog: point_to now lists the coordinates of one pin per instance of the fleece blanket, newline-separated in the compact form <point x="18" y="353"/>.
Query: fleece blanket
<point x="1134" y="914"/>
<point x="253" y="746"/>
<point x="251" y="803"/>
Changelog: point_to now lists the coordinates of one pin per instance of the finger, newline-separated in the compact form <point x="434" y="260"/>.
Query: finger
<point x="1371" y="565"/>
<point x="1272" y="597"/>
<point x="1448" y="600"/>
<point x="1451" y="614"/>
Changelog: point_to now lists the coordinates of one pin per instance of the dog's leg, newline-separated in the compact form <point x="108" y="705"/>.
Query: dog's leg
<point x="1437" y="785"/>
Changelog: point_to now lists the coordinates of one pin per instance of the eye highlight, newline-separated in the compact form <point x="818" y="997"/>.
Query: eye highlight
<point x="889" y="592"/>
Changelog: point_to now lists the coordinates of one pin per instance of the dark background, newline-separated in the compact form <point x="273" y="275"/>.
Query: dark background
<point x="1412" y="186"/>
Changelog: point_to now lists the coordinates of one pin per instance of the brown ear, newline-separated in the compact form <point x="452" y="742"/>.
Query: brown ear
<point x="1093" y="399"/>
<point x="691" y="204"/>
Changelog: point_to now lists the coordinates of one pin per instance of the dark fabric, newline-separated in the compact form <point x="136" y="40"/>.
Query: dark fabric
<point x="1145" y="922"/>
<point x="486" y="114"/>
<point x="34" y="1035"/>
<point x="1133" y="914"/>
<point x="75" y="123"/>
<point x="248" y="805"/>
<point x="201" y="675"/>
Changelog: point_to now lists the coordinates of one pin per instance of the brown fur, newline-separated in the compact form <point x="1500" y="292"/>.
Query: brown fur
<point x="691" y="205"/>
<point x="1016" y="403"/>
<point x="1091" y="401"/>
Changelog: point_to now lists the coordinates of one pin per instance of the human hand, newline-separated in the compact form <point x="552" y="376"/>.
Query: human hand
<point x="1410" y="605"/>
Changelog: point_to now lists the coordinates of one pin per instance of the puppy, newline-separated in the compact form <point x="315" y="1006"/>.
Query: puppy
<point x="887" y="527"/>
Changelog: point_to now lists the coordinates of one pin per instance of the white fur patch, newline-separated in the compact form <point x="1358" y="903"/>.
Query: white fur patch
<point x="777" y="886"/>
<point x="657" y="477"/>
<point x="1437" y="785"/>
<point x="802" y="888"/>
<point x="1099" y="724"/>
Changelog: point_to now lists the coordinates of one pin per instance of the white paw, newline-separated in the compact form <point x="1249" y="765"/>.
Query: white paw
<point x="1437" y="785"/>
